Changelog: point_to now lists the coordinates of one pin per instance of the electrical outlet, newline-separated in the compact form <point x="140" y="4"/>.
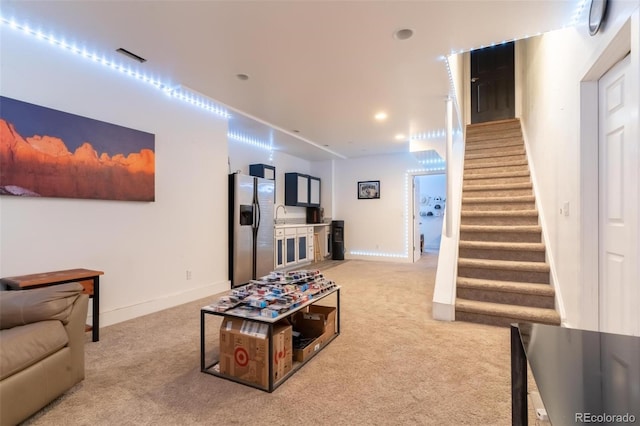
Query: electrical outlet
<point x="188" y="274"/>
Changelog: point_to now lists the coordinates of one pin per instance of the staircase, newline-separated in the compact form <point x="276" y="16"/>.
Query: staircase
<point x="503" y="276"/>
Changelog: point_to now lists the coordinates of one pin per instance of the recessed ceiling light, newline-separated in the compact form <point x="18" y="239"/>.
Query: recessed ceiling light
<point x="243" y="77"/>
<point x="400" y="137"/>
<point x="381" y="116"/>
<point x="403" y="34"/>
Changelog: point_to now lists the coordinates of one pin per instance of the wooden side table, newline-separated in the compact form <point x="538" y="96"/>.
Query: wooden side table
<point x="89" y="279"/>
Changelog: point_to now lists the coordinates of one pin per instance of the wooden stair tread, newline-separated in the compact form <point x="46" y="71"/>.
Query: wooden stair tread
<point x="497" y="182"/>
<point x="485" y="124"/>
<point x="524" y="313"/>
<point x="497" y="187"/>
<point x="509" y="151"/>
<point x="507" y="174"/>
<point x="499" y="213"/>
<point x="506" y="286"/>
<point x="512" y="265"/>
<point x="506" y="199"/>
<point x="497" y="245"/>
<point x="501" y="228"/>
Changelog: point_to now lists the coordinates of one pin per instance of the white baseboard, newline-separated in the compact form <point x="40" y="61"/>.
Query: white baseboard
<point x="150" y="306"/>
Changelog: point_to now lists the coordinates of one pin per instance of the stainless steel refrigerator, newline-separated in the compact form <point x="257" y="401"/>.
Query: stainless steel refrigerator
<point x="251" y="223"/>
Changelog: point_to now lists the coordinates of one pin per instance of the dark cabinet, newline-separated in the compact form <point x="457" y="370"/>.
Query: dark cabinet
<point x="301" y="190"/>
<point x="262" y="170"/>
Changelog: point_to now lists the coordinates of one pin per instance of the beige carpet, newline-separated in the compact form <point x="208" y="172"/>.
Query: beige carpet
<point x="392" y="365"/>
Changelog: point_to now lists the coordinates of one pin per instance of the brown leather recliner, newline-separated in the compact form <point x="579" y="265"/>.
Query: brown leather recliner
<point x="41" y="347"/>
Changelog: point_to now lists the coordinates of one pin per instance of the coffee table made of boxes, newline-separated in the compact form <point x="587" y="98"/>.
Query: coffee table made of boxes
<point x="260" y="322"/>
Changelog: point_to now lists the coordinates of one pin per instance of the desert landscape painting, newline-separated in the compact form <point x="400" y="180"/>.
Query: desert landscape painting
<point x="50" y="153"/>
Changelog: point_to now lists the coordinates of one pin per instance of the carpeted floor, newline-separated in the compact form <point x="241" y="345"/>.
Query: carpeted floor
<point x="391" y="365"/>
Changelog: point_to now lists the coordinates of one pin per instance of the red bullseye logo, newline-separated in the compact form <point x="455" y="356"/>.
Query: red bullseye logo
<point x="241" y="356"/>
<point x="278" y="356"/>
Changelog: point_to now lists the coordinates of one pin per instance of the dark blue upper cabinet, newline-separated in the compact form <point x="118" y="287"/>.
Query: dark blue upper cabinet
<point x="262" y="170"/>
<point x="301" y="190"/>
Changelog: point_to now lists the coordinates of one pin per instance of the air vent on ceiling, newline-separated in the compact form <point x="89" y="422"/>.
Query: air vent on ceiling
<point x="131" y="55"/>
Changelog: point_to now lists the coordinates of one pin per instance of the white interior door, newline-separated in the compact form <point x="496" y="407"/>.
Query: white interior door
<point x="416" y="219"/>
<point x="618" y="204"/>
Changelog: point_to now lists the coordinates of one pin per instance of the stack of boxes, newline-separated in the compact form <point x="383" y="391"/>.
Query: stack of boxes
<point x="244" y="349"/>
<point x="244" y="344"/>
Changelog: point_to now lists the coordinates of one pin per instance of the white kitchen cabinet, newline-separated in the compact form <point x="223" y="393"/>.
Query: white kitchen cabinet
<point x="293" y="245"/>
<point x="311" y="243"/>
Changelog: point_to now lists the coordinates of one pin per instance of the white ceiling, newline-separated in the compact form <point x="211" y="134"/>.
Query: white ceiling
<point x="318" y="70"/>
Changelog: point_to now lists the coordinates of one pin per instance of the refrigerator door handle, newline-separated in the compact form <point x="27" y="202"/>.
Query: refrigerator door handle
<point x="257" y="210"/>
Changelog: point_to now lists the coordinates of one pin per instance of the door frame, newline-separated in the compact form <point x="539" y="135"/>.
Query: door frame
<point x="414" y="223"/>
<point x="623" y="41"/>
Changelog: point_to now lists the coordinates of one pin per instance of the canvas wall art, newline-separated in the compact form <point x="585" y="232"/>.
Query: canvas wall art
<point x="50" y="153"/>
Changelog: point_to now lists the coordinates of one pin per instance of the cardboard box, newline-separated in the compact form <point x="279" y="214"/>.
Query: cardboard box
<point x="244" y="347"/>
<point x="329" y="313"/>
<point x="316" y="321"/>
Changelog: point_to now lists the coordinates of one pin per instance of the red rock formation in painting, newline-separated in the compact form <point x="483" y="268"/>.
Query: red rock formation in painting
<point x="43" y="165"/>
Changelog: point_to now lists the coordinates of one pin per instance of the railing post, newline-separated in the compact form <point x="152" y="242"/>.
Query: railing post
<point x="448" y="212"/>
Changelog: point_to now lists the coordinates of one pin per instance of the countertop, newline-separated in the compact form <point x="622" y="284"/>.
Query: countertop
<point x="298" y="225"/>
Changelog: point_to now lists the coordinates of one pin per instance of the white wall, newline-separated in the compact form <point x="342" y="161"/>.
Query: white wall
<point x="324" y="171"/>
<point x="143" y="248"/>
<point x="378" y="226"/>
<point x="552" y="67"/>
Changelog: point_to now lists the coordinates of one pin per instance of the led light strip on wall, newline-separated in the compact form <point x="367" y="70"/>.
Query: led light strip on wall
<point x="177" y="92"/>
<point x="248" y="140"/>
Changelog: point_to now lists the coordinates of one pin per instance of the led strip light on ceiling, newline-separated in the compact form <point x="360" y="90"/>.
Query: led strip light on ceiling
<point x="177" y="92"/>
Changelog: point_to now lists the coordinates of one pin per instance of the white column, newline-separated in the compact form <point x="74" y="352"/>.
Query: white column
<point x="449" y="121"/>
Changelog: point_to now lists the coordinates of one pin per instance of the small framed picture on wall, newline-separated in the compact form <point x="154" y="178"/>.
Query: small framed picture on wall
<point x="369" y="190"/>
